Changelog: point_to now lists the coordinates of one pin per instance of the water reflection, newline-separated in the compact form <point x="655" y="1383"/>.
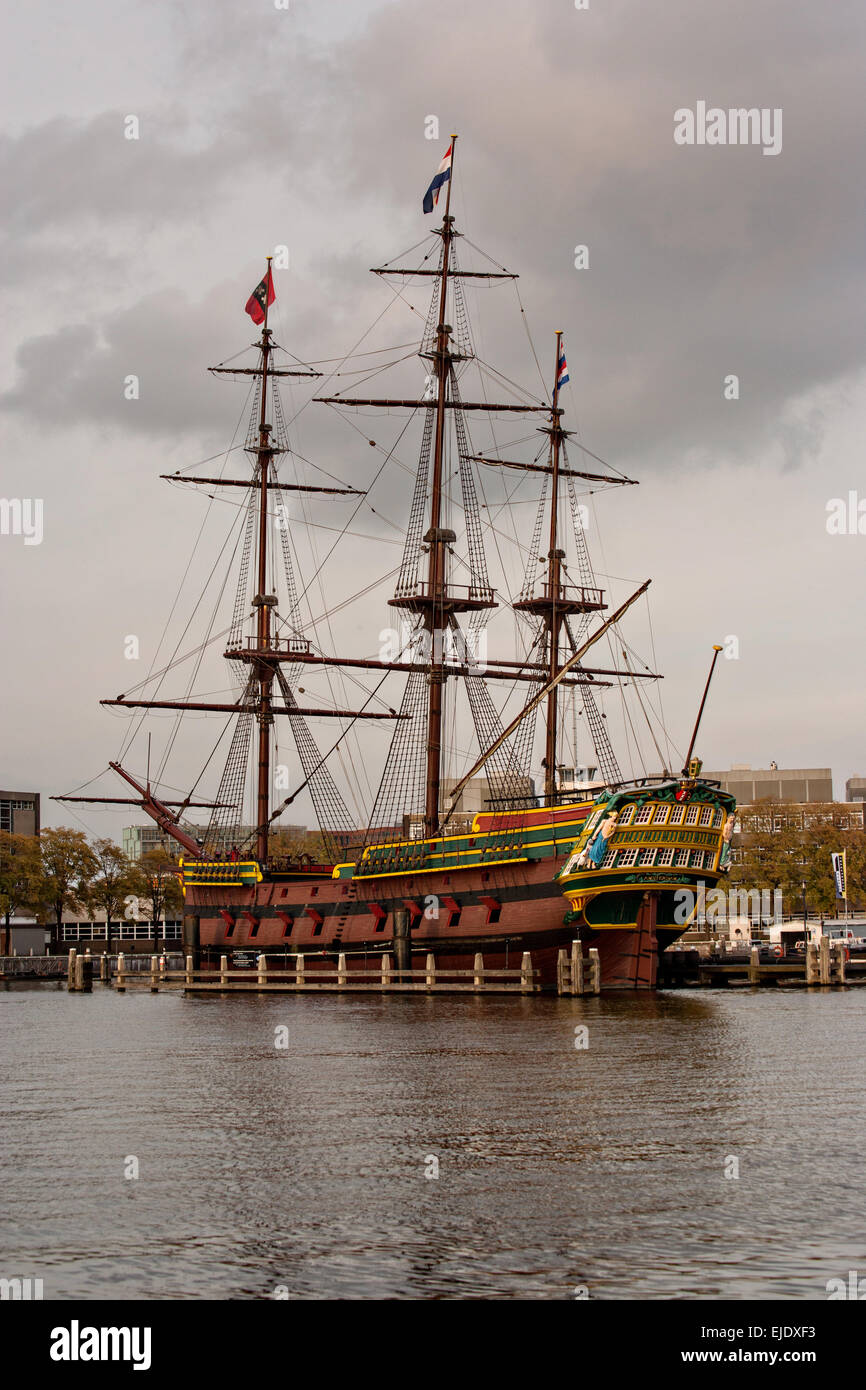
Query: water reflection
<point x="558" y="1166"/>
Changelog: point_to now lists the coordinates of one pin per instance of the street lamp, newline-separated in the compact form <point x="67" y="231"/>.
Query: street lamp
<point x="805" y="929"/>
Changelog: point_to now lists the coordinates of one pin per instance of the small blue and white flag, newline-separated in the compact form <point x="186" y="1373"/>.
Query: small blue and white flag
<point x="561" y="368"/>
<point x="442" y="175"/>
<point x="840" y="874"/>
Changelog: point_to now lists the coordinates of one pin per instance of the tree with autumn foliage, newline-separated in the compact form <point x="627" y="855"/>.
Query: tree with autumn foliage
<point x="20" y="872"/>
<point x="115" y="879"/>
<point x="67" y="866"/>
<point x="157" y="877"/>
<point x="292" y="845"/>
<point x="787" y="858"/>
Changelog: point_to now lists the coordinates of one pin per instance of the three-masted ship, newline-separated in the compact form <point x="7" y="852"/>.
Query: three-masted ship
<point x="605" y="862"/>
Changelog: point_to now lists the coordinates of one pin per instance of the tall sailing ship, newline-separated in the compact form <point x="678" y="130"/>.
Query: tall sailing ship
<point x="603" y="859"/>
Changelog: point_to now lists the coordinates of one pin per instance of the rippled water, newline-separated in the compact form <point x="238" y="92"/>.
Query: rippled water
<point x="559" y="1168"/>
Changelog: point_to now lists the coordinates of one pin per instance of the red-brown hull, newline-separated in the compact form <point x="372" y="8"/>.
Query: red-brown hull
<point x="501" y="912"/>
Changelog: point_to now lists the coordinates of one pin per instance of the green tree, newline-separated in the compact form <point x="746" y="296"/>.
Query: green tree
<point x="20" y="873"/>
<point x="68" y="865"/>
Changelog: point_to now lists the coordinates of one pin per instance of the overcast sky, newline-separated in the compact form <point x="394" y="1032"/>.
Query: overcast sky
<point x="306" y="126"/>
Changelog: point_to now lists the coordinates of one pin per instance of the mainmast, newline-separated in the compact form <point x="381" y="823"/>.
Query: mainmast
<point x="263" y="601"/>
<point x="435" y="601"/>
<point x="436" y="537"/>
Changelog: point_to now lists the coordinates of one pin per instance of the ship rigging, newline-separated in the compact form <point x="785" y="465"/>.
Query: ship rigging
<point x="443" y="623"/>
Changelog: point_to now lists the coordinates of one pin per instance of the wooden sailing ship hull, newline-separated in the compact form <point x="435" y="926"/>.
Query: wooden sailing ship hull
<point x="532" y="918"/>
<point x="457" y="910"/>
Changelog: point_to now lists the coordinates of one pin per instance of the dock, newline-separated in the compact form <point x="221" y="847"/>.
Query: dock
<point x="267" y="977"/>
<point x="826" y="964"/>
<point x="576" y="975"/>
<point x="823" y="964"/>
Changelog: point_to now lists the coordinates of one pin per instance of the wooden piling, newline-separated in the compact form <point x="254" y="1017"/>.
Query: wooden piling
<point x="430" y="970"/>
<point x="70" y="971"/>
<point x="824" y="960"/>
<point x="191" y="937"/>
<point x="120" y="982"/>
<point x="387" y="971"/>
<point x="263" y="969"/>
<point x="224" y="970"/>
<point x="526" y="973"/>
<point x="595" y="971"/>
<point x="402" y="942"/>
<point x="189" y="970"/>
<point x="154" y="974"/>
<point x="754" y="965"/>
<point x="563" y="983"/>
<point x="577" y="969"/>
<point x="299" y="969"/>
<point x="811" y="963"/>
<point x="342" y="971"/>
<point x="478" y="976"/>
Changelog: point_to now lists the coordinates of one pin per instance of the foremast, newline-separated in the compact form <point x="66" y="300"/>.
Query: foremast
<point x="263" y="652"/>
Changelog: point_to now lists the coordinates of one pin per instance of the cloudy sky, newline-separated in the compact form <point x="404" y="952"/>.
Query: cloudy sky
<point x="306" y="125"/>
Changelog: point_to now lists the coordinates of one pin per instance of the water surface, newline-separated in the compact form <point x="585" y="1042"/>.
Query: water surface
<point x="560" y="1169"/>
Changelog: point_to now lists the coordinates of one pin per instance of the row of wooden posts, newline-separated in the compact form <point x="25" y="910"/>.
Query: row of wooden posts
<point x="575" y="975"/>
<point x="825" y="963"/>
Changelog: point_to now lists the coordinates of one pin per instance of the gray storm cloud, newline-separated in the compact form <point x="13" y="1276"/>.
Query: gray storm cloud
<point x="307" y="127"/>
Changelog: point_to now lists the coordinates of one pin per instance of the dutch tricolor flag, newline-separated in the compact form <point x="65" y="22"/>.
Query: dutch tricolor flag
<point x="561" y="368"/>
<point x="442" y="175"/>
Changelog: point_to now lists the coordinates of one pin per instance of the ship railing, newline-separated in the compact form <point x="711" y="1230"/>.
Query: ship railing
<point x="571" y="593"/>
<point x="396" y="859"/>
<point x="287" y="864"/>
<point x="292" y="645"/>
<point x="475" y="593"/>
